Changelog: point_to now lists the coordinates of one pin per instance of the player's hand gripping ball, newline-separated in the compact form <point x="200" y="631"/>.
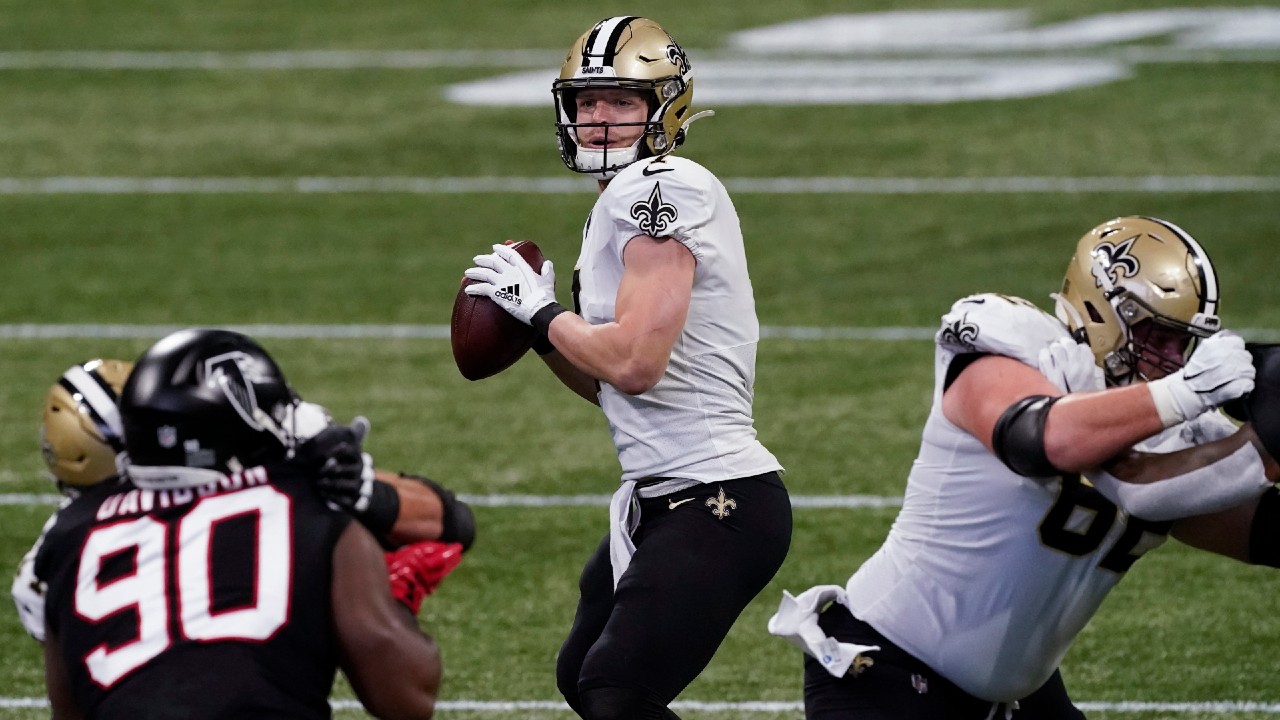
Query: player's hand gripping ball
<point x="487" y="339"/>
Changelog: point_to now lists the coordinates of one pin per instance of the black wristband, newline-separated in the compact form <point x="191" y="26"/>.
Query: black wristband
<point x="542" y="345"/>
<point x="541" y="320"/>
<point x="384" y="508"/>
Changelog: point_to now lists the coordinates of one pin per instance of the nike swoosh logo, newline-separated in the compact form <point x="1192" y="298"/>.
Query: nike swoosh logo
<point x="673" y="504"/>
<point x="648" y="170"/>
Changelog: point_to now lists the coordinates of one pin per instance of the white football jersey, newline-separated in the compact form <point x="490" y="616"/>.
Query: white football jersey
<point x="696" y="423"/>
<point x="987" y="576"/>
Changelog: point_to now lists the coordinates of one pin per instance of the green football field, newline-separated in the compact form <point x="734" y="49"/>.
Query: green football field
<point x="321" y="172"/>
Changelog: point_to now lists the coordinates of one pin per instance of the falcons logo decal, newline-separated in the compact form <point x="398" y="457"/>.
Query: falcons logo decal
<point x="232" y="374"/>
<point x="1115" y="262"/>
<point x="653" y="214"/>
<point x="961" y="332"/>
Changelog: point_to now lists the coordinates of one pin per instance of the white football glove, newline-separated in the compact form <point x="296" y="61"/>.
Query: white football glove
<point x="1071" y="366"/>
<point x="1219" y="370"/>
<point x="507" y="279"/>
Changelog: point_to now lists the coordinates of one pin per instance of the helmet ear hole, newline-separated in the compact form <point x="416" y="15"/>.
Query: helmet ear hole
<point x="1094" y="315"/>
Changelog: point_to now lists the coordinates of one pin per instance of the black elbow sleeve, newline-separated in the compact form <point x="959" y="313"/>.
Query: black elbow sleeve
<point x="458" y="521"/>
<point x="1018" y="438"/>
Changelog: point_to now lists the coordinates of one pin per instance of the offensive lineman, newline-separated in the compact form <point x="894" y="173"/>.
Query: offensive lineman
<point x="663" y="337"/>
<point x="1001" y="552"/>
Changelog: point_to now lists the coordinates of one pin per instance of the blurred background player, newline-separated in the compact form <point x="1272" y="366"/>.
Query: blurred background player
<point x="82" y="442"/>
<point x="663" y="338"/>
<point x="212" y="581"/>
<point x="1002" y="552"/>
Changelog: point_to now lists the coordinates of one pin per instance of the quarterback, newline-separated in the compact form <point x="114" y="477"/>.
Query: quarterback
<point x="663" y="338"/>
<point x="1057" y="452"/>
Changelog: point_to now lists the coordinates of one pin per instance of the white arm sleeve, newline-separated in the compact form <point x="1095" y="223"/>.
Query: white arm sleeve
<point x="1226" y="483"/>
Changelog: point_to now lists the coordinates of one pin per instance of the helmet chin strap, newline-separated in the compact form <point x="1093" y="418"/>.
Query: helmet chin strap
<point x="1068" y="314"/>
<point x="592" y="161"/>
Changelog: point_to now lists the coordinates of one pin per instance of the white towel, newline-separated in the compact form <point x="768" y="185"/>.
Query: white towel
<point x="623" y="519"/>
<point x="797" y="622"/>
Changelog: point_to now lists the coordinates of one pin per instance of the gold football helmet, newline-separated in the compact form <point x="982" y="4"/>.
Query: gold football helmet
<point x="631" y="53"/>
<point x="1133" y="280"/>
<point x="81" y="434"/>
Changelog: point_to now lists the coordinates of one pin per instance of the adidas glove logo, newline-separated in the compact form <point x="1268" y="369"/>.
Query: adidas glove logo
<point x="510" y="293"/>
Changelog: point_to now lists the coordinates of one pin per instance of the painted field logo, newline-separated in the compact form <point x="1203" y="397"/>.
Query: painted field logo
<point x="939" y="56"/>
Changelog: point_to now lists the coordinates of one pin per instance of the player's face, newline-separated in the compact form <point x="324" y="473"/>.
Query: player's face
<point x="1161" y="349"/>
<point x="611" y="106"/>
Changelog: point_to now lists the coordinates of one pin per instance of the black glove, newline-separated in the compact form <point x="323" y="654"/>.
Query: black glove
<point x="344" y="475"/>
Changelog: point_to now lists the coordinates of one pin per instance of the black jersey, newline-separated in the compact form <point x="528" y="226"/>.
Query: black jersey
<point x="212" y="602"/>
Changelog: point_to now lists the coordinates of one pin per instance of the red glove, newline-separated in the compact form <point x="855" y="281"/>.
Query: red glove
<point x="416" y="570"/>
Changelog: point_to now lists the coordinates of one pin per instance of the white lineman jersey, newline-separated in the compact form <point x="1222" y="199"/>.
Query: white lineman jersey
<point x="987" y="576"/>
<point x="28" y="590"/>
<point x="696" y="423"/>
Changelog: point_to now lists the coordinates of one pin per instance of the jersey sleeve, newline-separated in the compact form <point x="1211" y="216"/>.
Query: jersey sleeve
<point x="673" y="200"/>
<point x="998" y="325"/>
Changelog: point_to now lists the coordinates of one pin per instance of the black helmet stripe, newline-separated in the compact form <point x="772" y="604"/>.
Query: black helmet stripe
<point x="92" y="393"/>
<point x="602" y="44"/>
<point x="1208" y="278"/>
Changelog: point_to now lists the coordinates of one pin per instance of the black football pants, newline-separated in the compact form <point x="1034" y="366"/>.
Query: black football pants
<point x="699" y="561"/>
<point x="897" y="686"/>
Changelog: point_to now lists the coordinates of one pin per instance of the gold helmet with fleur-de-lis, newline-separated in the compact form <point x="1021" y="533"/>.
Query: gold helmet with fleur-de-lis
<point x="626" y="52"/>
<point x="80" y="432"/>
<point x="1133" y="273"/>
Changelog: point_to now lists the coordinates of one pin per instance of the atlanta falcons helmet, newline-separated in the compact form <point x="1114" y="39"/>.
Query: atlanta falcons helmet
<point x="1133" y="277"/>
<point x="631" y="53"/>
<point x="80" y="432"/>
<point x="202" y="403"/>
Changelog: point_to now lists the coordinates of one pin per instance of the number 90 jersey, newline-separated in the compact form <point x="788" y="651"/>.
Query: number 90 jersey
<point x="211" y="602"/>
<point x="987" y="576"/>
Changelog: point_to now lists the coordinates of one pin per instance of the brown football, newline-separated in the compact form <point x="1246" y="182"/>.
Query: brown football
<point x="486" y="339"/>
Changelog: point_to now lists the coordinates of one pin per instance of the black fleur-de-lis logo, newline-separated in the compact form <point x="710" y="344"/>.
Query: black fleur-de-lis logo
<point x="960" y="332"/>
<point x="1115" y="261"/>
<point x="653" y="214"/>
<point x="676" y="56"/>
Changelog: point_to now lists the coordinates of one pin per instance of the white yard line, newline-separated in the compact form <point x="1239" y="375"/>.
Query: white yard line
<point x="551" y="501"/>
<point x="1214" y="707"/>
<point x="91" y="331"/>
<point x="1187" y="184"/>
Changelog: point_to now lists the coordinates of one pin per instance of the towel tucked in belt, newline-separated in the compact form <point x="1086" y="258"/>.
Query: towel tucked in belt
<point x="624" y="515"/>
<point x="797" y="622"/>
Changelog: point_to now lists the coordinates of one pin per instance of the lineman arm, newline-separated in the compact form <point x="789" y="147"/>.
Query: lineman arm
<point x="1083" y="429"/>
<point x="394" y="668"/>
<point x="56" y="680"/>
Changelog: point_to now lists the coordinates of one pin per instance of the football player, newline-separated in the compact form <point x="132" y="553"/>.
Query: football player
<point x="82" y="443"/>
<point x="1057" y="452"/>
<point x="663" y="338"/>
<point x="212" y="580"/>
